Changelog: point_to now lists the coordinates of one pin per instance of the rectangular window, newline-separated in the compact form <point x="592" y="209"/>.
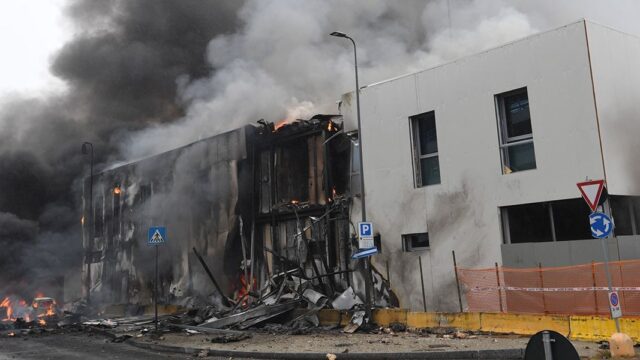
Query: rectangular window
<point x="516" y="136"/>
<point x="625" y="211"/>
<point x="527" y="223"/>
<point x="98" y="216"/>
<point x="560" y="220"/>
<point x="426" y="163"/>
<point x="415" y="242"/>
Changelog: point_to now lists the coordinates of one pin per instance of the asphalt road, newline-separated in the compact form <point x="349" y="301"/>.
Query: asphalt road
<point x="74" y="346"/>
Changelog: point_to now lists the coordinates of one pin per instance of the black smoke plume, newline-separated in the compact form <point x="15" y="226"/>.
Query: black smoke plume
<point x="120" y="69"/>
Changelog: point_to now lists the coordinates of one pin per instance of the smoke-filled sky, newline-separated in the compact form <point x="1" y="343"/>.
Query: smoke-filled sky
<point x="136" y="77"/>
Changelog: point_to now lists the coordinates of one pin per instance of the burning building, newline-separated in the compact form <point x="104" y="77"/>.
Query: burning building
<point x="254" y="202"/>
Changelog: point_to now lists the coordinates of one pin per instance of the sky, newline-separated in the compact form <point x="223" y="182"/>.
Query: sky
<point x="30" y="31"/>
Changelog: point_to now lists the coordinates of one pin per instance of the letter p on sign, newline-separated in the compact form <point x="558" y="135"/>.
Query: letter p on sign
<point x="365" y="235"/>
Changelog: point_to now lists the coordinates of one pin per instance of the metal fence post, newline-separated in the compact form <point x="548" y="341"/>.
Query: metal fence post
<point x="544" y="302"/>
<point x="499" y="290"/>
<point x="424" y="301"/>
<point x="455" y="270"/>
<point x="595" y="290"/>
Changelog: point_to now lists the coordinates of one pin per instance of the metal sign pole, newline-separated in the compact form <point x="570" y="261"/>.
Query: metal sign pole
<point x="605" y="250"/>
<point x="155" y="291"/>
<point x="157" y="236"/>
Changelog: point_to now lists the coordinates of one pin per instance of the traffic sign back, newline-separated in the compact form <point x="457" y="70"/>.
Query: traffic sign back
<point x="591" y="192"/>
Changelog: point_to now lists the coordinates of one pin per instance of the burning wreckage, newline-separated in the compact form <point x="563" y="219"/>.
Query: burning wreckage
<point x="258" y="226"/>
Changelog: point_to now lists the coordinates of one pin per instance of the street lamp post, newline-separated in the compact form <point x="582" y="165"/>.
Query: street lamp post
<point x="367" y="261"/>
<point x="87" y="148"/>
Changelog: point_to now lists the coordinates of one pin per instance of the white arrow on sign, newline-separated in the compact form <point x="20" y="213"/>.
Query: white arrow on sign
<point x="597" y="232"/>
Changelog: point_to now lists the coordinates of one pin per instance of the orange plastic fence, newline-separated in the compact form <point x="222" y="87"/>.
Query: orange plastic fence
<point x="572" y="290"/>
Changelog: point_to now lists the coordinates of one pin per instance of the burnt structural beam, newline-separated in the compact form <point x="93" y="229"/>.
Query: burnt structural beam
<point x="87" y="149"/>
<point x="213" y="279"/>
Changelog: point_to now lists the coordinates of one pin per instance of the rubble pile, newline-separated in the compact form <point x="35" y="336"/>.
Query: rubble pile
<point x="290" y="300"/>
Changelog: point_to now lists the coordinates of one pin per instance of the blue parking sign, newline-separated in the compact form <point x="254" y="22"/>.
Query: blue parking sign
<point x="366" y="229"/>
<point x="365" y="235"/>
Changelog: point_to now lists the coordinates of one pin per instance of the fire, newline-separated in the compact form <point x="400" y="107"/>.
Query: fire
<point x="44" y="306"/>
<point x="330" y="127"/>
<point x="13" y="308"/>
<point x="280" y="124"/>
<point x="42" y="322"/>
<point x="117" y="190"/>
<point x="6" y="303"/>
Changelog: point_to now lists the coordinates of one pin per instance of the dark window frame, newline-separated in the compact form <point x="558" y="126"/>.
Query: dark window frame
<point x="507" y="142"/>
<point x="557" y="214"/>
<point x="410" y="242"/>
<point x="416" y="148"/>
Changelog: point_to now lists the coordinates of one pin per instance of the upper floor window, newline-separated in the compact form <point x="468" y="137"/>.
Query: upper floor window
<point x="426" y="163"/>
<point x="516" y="136"/>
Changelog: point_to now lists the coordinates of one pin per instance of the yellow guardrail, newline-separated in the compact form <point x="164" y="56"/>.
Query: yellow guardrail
<point x="590" y="328"/>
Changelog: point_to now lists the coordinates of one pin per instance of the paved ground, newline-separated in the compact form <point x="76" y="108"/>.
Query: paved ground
<point x="71" y="346"/>
<point x="80" y="345"/>
<point x="334" y="341"/>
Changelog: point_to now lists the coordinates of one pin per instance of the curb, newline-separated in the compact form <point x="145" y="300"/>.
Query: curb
<point x="505" y="354"/>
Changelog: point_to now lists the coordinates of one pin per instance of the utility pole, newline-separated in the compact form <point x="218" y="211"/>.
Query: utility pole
<point x="366" y="262"/>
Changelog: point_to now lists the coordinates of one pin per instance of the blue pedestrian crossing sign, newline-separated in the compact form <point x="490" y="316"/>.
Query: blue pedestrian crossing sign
<point x="601" y="225"/>
<point x="157" y="235"/>
<point x="365" y="235"/>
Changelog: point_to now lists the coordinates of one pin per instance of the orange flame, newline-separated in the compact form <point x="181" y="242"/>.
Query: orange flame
<point x="42" y="322"/>
<point x="330" y="127"/>
<point x="6" y="303"/>
<point x="280" y="124"/>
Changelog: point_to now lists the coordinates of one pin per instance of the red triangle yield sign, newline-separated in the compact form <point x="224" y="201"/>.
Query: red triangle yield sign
<point x="591" y="191"/>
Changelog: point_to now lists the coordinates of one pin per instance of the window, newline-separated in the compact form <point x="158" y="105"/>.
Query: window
<point x="527" y="223"/>
<point x="415" y="242"/>
<point x="625" y="211"/>
<point x="516" y="136"/>
<point x="546" y="221"/>
<point x="426" y="163"/>
<point x="98" y="216"/>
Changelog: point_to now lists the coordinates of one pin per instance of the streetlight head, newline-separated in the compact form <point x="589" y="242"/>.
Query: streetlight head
<point x="338" y="34"/>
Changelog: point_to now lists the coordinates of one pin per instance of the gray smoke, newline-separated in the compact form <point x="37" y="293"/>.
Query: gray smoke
<point x="121" y="69"/>
<point x="145" y="76"/>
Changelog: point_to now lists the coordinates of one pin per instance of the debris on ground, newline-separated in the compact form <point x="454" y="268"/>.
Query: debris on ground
<point x="356" y="321"/>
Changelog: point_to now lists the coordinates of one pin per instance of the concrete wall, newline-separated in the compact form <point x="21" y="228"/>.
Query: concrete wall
<point x="564" y="253"/>
<point x="462" y="213"/>
<point x="616" y="72"/>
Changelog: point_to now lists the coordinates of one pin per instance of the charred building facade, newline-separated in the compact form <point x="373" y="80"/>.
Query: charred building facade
<point x="257" y="203"/>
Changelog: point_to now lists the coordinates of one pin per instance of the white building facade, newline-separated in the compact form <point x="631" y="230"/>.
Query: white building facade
<point x="481" y="156"/>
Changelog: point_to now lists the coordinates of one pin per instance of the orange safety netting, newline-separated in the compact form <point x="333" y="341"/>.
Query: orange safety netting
<point x="579" y="289"/>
